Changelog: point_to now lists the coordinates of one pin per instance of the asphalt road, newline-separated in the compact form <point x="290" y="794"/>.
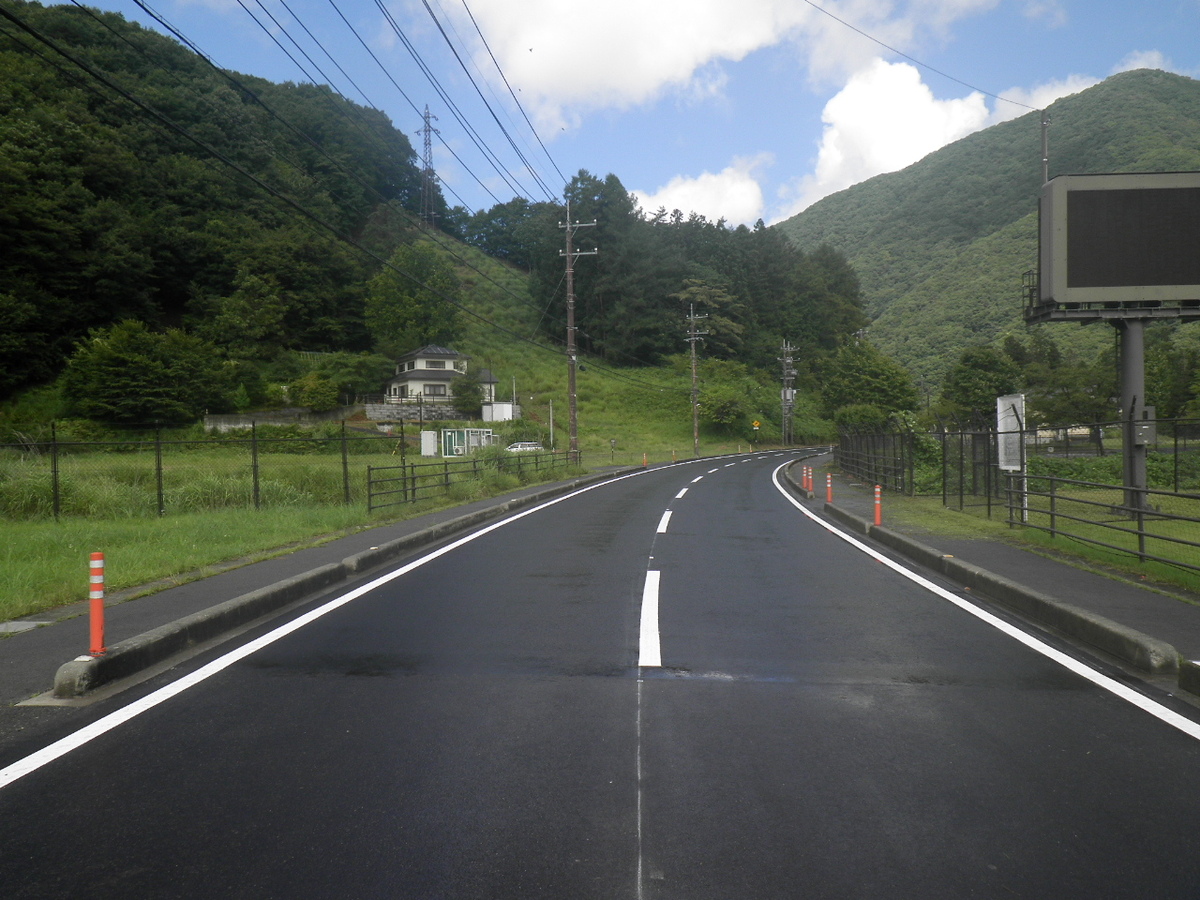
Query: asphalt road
<point x="804" y="722"/>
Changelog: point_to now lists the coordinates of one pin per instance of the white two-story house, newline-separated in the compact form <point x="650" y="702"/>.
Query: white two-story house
<point x="427" y="375"/>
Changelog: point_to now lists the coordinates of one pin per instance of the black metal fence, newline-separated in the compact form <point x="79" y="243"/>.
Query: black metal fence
<point x="405" y="483"/>
<point x="153" y="476"/>
<point x="1153" y="525"/>
<point x="1069" y="482"/>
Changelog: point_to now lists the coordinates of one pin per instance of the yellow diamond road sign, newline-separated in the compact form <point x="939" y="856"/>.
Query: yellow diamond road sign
<point x="756" y="423"/>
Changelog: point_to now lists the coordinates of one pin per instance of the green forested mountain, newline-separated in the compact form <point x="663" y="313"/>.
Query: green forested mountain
<point x="940" y="247"/>
<point x="164" y="224"/>
<point x="120" y="195"/>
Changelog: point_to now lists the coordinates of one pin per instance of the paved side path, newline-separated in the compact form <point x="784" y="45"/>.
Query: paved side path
<point x="30" y="658"/>
<point x="1166" y="613"/>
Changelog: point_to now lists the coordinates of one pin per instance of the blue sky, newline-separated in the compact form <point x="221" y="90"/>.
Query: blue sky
<point x="736" y="109"/>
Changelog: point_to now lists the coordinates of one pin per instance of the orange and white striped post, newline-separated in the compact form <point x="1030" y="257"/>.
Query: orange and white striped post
<point x="96" y="597"/>
<point x="878" y="505"/>
<point x="829" y="488"/>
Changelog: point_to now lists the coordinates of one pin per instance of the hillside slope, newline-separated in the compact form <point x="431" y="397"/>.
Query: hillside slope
<point x="940" y="247"/>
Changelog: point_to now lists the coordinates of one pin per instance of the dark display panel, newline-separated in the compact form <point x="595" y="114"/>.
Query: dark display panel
<point x="1127" y="238"/>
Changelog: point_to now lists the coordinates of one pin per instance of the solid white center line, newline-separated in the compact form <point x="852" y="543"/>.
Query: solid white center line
<point x="649" y="651"/>
<point x="664" y="522"/>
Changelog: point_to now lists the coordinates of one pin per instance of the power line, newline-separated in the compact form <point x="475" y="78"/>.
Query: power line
<point x="487" y="105"/>
<point x="167" y="124"/>
<point x="511" y="93"/>
<point x="173" y="126"/>
<point x="913" y="59"/>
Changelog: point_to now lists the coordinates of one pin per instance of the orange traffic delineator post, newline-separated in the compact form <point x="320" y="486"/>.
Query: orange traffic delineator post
<point x="96" y="598"/>
<point x="829" y="488"/>
<point x="645" y="460"/>
<point x="878" y="505"/>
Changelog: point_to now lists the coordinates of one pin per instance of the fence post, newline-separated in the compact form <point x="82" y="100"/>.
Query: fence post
<point x="55" y="494"/>
<point x="345" y="464"/>
<point x="1053" y="506"/>
<point x="158" y="471"/>
<point x="942" y="441"/>
<point x="1141" y="522"/>
<point x="254" y="464"/>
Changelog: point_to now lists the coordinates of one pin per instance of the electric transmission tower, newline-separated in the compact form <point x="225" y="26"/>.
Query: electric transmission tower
<point x="428" y="176"/>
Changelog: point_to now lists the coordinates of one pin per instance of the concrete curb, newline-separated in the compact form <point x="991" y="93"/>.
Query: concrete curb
<point x="85" y="673"/>
<point x="1139" y="650"/>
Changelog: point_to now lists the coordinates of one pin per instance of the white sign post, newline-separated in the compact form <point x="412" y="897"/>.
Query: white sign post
<point x="1010" y="442"/>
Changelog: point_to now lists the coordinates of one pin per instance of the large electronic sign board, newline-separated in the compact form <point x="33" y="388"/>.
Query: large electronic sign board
<point x="1116" y="246"/>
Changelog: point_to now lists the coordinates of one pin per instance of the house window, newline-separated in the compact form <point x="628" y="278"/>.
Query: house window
<point x="435" y="390"/>
<point x="435" y="364"/>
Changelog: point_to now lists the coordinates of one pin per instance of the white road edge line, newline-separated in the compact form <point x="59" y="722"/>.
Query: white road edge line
<point x="649" y="649"/>
<point x="102" y="726"/>
<point x="1128" y="694"/>
<point x="664" y="522"/>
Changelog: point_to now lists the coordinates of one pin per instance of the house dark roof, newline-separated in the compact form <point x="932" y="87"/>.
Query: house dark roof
<point x="435" y="351"/>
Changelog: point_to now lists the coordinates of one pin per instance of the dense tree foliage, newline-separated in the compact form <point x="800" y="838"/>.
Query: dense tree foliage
<point x="651" y="271"/>
<point x="129" y="375"/>
<point x="111" y="214"/>
<point x="942" y="245"/>
<point x="410" y="302"/>
<point x="980" y="376"/>
<point x="859" y="375"/>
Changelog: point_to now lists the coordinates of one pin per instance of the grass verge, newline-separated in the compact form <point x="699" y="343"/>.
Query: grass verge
<point x="45" y="563"/>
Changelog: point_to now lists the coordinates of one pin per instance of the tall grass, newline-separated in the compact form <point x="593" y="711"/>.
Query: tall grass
<point x="44" y="562"/>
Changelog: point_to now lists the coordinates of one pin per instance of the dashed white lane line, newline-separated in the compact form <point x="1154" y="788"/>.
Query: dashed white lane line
<point x="649" y="650"/>
<point x="699" y="478"/>
<point x="679" y="496"/>
<point x="664" y="522"/>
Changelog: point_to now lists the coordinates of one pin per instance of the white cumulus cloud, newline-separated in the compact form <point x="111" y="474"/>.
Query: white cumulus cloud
<point x="733" y="193"/>
<point x="884" y="119"/>
<point x="624" y="52"/>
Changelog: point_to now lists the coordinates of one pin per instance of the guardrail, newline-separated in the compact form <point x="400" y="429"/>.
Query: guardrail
<point x="1154" y="525"/>
<point x="407" y="482"/>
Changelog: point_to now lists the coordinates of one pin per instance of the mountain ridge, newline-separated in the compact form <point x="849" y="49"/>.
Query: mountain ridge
<point x="940" y="246"/>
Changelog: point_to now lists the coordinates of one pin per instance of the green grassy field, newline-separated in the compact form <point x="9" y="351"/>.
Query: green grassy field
<point x="45" y="562"/>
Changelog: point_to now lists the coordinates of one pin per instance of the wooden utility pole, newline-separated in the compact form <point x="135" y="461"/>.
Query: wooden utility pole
<point x="570" y="253"/>
<point x="787" y="396"/>
<point x="693" y="337"/>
